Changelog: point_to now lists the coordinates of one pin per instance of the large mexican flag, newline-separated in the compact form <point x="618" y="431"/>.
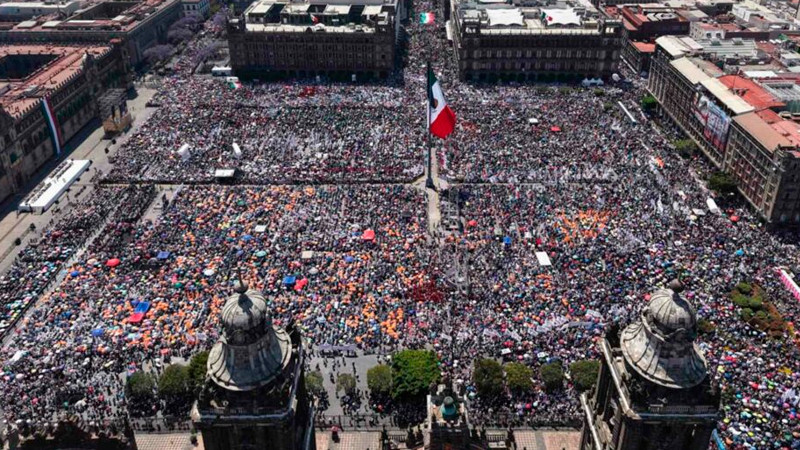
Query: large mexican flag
<point x="441" y="119"/>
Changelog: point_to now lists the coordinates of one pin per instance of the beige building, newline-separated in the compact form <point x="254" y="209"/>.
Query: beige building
<point x="764" y="159"/>
<point x="735" y="123"/>
<point x="565" y="41"/>
<point x="138" y="25"/>
<point x="340" y="40"/>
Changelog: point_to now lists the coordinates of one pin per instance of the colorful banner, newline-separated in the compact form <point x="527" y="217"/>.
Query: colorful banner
<point x="789" y="283"/>
<point x="714" y="121"/>
<point x="52" y="125"/>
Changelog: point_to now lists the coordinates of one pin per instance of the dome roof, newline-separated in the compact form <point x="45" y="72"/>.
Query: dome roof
<point x="660" y="345"/>
<point x="250" y="353"/>
<point x="670" y="312"/>
<point x="245" y="316"/>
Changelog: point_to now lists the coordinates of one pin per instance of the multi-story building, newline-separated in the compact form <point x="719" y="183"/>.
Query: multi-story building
<point x="337" y="39"/>
<point x="647" y="22"/>
<point x="137" y="24"/>
<point x="563" y="41"/>
<point x="764" y="155"/>
<point x="736" y="122"/>
<point x="47" y="94"/>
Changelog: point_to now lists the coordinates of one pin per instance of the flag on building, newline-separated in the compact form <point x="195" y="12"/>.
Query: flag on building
<point x="426" y="18"/>
<point x="52" y="125"/>
<point x="441" y="119"/>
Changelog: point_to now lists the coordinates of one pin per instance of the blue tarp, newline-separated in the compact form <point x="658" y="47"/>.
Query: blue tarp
<point x="289" y="280"/>
<point x="507" y="240"/>
<point x="97" y="332"/>
<point x="162" y="255"/>
<point x="142" y="307"/>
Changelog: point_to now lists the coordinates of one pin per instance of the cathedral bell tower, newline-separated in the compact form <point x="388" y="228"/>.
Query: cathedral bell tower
<point x="653" y="391"/>
<point x="254" y="396"/>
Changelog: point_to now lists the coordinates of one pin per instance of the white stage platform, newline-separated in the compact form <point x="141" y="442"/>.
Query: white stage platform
<point x="54" y="186"/>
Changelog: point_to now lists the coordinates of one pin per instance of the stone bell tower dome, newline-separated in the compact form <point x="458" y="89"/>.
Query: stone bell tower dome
<point x="254" y="396"/>
<point x="250" y="353"/>
<point x="661" y="346"/>
<point x="653" y="391"/>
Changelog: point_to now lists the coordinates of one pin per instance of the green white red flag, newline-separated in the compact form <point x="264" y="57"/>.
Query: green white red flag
<point x="441" y="119"/>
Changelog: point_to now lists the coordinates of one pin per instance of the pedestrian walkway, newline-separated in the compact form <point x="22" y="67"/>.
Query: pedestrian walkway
<point x="547" y="440"/>
<point x="171" y="441"/>
<point x="353" y="440"/>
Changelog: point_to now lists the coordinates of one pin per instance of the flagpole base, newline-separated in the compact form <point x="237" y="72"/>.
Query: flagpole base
<point x="429" y="184"/>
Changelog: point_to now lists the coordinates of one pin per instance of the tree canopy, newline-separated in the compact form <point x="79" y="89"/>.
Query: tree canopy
<point x="518" y="377"/>
<point x="174" y="388"/>
<point x="413" y="372"/>
<point x="488" y="377"/>
<point x="379" y="380"/>
<point x="649" y="102"/>
<point x="346" y="382"/>
<point x="552" y="376"/>
<point x="197" y="370"/>
<point x="584" y="373"/>
<point x="140" y="386"/>
<point x="314" y="383"/>
<point x="722" y="183"/>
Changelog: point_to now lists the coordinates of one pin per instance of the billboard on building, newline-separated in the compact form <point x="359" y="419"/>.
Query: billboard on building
<point x="714" y="121"/>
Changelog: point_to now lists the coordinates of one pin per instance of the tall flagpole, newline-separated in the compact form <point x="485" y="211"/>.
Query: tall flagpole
<point x="429" y="182"/>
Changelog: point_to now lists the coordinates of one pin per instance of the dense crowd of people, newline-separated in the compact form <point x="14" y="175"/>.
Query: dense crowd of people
<point x="610" y="208"/>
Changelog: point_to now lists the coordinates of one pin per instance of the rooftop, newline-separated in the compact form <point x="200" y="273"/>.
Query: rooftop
<point x="319" y="16"/>
<point x="104" y="15"/>
<point x="62" y="64"/>
<point x="559" y="16"/>
<point x="751" y="92"/>
<point x="772" y="134"/>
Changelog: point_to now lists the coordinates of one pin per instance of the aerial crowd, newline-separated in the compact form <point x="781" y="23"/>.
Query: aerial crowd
<point x="326" y="221"/>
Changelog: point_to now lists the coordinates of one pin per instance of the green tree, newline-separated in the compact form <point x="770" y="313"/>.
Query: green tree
<point x="379" y="380"/>
<point x="346" y="382"/>
<point x="518" y="377"/>
<point x="744" y="288"/>
<point x="552" y="376"/>
<point x="649" y="102"/>
<point x="721" y="182"/>
<point x="314" y="383"/>
<point x="488" y="377"/>
<point x="413" y="373"/>
<point x="704" y="326"/>
<point x="197" y="370"/>
<point x="174" y="387"/>
<point x="742" y="301"/>
<point x="685" y="147"/>
<point x="140" y="389"/>
<point x="584" y="373"/>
